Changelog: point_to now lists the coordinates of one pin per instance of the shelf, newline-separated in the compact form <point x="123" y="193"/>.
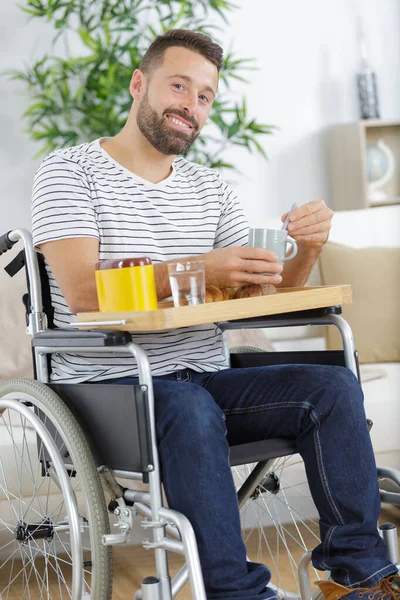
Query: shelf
<point x="379" y="123"/>
<point x="348" y="168"/>
<point x="388" y="202"/>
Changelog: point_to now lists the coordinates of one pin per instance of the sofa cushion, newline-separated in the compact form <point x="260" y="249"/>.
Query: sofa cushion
<point x="15" y="348"/>
<point x="374" y="274"/>
<point x="256" y="338"/>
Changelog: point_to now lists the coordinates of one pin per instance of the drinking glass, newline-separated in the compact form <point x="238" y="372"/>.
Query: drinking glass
<point x="188" y="282"/>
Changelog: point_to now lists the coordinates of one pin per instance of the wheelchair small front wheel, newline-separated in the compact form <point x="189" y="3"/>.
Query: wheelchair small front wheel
<point x="37" y="549"/>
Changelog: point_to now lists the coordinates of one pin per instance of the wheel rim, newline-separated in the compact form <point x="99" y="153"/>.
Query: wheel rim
<point x="279" y="522"/>
<point x="35" y="542"/>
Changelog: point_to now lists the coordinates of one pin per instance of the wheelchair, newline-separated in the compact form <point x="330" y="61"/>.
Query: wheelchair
<point x="74" y="446"/>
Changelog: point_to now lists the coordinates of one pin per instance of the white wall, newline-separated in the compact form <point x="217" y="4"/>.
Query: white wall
<point x="307" y="56"/>
<point x="21" y="42"/>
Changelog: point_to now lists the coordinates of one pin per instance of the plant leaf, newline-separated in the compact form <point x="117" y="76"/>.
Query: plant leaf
<point x="75" y="97"/>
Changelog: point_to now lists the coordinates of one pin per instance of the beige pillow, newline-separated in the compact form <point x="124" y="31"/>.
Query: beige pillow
<point x="15" y="344"/>
<point x="255" y="338"/>
<point x="374" y="316"/>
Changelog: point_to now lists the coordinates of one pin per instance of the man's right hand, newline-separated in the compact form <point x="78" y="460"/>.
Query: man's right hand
<point x="237" y="266"/>
<point x="73" y="262"/>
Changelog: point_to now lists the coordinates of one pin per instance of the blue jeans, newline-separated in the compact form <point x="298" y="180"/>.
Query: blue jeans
<point x="198" y="415"/>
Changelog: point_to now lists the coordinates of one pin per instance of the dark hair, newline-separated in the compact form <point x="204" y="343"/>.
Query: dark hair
<point x="192" y="40"/>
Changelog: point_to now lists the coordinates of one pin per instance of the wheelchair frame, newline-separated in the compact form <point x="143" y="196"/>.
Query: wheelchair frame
<point x="160" y="519"/>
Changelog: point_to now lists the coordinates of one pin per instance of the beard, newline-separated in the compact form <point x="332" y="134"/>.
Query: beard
<point x="155" y="129"/>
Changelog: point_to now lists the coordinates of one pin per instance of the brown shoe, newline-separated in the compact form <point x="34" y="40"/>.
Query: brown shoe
<point x="387" y="589"/>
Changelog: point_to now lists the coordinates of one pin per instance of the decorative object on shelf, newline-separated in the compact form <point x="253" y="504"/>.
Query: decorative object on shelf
<point x="358" y="163"/>
<point x="366" y="81"/>
<point x="380" y="169"/>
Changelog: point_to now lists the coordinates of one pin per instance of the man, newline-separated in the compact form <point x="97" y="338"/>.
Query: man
<point x="132" y="195"/>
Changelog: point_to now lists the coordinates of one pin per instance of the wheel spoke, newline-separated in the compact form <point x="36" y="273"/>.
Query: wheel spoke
<point x="31" y="476"/>
<point x="15" y="577"/>
<point x="39" y="579"/>
<point x="6" y="545"/>
<point x="16" y="461"/>
<point x="7" y="527"/>
<point x="26" y="577"/>
<point x="38" y="555"/>
<point x="61" y="578"/>
<point x="276" y="529"/>
<point x="6" y="488"/>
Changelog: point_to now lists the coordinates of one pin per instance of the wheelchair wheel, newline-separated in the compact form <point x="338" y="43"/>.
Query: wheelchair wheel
<point x="280" y="523"/>
<point x="36" y="537"/>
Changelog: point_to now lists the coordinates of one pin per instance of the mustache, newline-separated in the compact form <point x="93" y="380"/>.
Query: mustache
<point x="185" y="117"/>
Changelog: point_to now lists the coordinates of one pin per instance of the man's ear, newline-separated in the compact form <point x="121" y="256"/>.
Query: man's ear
<point x="137" y="85"/>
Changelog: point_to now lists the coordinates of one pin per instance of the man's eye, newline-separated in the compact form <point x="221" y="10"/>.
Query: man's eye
<point x="204" y="98"/>
<point x="178" y="86"/>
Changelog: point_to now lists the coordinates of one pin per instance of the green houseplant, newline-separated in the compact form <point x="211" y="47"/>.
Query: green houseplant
<point x="78" y="98"/>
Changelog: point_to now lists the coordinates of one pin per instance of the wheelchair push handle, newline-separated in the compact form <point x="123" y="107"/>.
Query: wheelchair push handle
<point x="6" y="243"/>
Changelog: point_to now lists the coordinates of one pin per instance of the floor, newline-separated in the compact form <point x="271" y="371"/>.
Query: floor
<point x="133" y="563"/>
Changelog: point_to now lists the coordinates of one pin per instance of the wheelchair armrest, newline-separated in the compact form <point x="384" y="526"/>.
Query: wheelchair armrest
<point x="92" y="338"/>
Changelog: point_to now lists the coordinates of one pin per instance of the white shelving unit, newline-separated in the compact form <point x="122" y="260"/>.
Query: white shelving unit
<point x="347" y="152"/>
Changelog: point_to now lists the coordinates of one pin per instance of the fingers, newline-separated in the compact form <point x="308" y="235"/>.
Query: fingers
<point x="319" y="219"/>
<point x="307" y="209"/>
<point x="260" y="271"/>
<point x="248" y="253"/>
<point x="264" y="278"/>
<point x="319" y="227"/>
<point x="313" y="240"/>
<point x="260" y="266"/>
<point x="236" y="266"/>
<point x="244" y="278"/>
<point x="310" y="224"/>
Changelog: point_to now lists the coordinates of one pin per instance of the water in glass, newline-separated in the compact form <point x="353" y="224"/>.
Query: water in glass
<point x="188" y="287"/>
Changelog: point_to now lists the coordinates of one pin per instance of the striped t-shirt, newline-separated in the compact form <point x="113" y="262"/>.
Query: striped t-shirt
<point x="82" y="192"/>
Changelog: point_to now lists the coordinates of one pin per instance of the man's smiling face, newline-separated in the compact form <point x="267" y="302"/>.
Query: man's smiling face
<point x="176" y="99"/>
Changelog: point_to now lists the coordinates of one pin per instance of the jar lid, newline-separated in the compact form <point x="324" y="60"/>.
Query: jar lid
<point x="122" y="263"/>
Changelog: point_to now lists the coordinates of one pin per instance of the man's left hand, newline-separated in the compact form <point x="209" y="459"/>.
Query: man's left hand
<point x="310" y="224"/>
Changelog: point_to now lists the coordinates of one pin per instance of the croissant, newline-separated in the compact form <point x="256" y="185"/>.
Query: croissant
<point x="229" y="293"/>
<point x="214" y="294"/>
<point x="254" y="289"/>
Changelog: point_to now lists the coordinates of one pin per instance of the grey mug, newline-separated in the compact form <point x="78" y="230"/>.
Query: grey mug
<point x="276" y="240"/>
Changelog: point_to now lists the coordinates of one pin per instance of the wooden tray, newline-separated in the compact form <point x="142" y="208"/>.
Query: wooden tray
<point x="286" y="300"/>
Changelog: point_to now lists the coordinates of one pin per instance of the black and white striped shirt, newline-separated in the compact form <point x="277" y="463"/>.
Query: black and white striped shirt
<point x="82" y="192"/>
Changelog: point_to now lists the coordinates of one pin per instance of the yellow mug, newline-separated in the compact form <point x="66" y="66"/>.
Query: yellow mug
<point x="126" y="284"/>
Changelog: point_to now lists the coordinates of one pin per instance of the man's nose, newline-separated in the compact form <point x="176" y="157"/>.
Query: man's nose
<point x="190" y="103"/>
